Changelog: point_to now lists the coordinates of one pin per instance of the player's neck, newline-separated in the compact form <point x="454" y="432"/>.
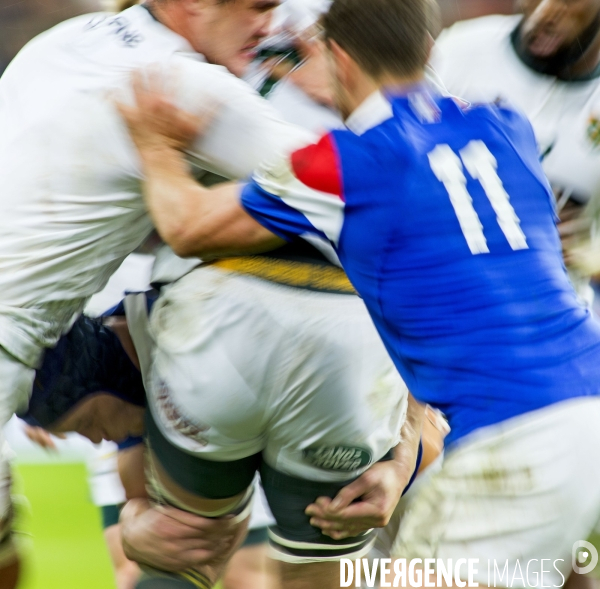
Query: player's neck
<point x="171" y="15"/>
<point x="363" y="86"/>
<point x="400" y="84"/>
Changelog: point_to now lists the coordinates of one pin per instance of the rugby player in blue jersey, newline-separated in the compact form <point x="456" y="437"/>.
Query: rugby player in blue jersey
<point x="443" y="220"/>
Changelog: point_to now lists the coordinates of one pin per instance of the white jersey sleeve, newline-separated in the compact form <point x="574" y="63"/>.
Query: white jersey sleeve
<point x="246" y="129"/>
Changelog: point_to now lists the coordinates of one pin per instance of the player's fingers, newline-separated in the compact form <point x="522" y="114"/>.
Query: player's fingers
<point x="191" y="544"/>
<point x="155" y="82"/>
<point x="328" y="525"/>
<point x="40" y="437"/>
<point x="365" y="514"/>
<point x="324" y="502"/>
<point x="138" y="85"/>
<point x="198" y="522"/>
<point x="348" y="494"/>
<point x="304" y="46"/>
<point x="193" y="558"/>
<point x="319" y="507"/>
<point x="357" y="514"/>
<point x="128" y="113"/>
<point x="308" y="43"/>
<point x="342" y="535"/>
<point x="48" y="443"/>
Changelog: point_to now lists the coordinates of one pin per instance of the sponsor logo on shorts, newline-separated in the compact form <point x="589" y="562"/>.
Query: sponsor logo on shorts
<point x="343" y="458"/>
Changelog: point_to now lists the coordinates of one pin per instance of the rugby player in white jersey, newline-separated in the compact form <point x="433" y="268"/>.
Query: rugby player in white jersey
<point x="544" y="61"/>
<point x="71" y="208"/>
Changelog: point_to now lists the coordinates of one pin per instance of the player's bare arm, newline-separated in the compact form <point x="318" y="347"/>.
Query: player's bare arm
<point x="193" y="220"/>
<point x="378" y="490"/>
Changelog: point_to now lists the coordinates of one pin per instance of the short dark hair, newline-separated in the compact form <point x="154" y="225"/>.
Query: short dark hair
<point x="382" y="36"/>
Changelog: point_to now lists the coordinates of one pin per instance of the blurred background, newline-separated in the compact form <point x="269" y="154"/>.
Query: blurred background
<point x="21" y="20"/>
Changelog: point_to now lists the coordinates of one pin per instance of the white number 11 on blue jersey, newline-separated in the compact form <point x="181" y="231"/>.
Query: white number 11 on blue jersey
<point x="482" y="166"/>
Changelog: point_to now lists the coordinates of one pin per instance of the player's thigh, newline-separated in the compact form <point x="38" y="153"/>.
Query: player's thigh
<point x="340" y="403"/>
<point x="211" y="489"/>
<point x="519" y="491"/>
<point x="304" y="557"/>
<point x="293" y="539"/>
<point x="216" y="349"/>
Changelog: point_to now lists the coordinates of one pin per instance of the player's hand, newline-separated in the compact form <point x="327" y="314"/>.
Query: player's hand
<point x="378" y="491"/>
<point x="153" y="119"/>
<point x="41" y="437"/>
<point x="171" y="539"/>
<point x="313" y="76"/>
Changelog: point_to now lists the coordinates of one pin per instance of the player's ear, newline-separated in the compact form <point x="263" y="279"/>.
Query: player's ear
<point x="430" y="45"/>
<point x="195" y="7"/>
<point x="342" y="62"/>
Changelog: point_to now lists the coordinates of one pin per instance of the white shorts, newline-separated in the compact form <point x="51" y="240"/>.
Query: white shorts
<point x="525" y="489"/>
<point x="243" y="366"/>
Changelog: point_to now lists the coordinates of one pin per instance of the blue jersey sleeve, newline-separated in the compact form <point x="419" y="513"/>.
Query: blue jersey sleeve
<point x="299" y="195"/>
<point x="273" y="213"/>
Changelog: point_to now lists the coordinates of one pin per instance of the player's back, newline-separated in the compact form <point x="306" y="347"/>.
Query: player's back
<point x="70" y="206"/>
<point x="69" y="172"/>
<point x="469" y="290"/>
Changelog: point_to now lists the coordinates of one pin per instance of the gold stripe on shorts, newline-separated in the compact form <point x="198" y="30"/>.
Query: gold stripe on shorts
<point x="305" y="275"/>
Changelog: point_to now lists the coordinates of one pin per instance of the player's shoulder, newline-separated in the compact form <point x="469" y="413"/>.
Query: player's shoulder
<point x="484" y="32"/>
<point x="502" y="119"/>
<point x="501" y="113"/>
<point x="318" y="166"/>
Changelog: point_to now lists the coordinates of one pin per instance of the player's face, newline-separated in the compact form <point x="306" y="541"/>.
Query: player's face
<point x="102" y="417"/>
<point x="552" y="27"/>
<point x="230" y="32"/>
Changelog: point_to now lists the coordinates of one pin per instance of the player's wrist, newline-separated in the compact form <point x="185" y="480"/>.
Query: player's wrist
<point x="133" y="509"/>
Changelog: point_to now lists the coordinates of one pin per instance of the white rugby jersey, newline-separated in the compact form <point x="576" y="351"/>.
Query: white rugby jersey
<point x="70" y="200"/>
<point x="476" y="61"/>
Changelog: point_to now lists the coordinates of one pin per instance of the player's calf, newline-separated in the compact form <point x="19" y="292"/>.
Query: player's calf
<point x="9" y="559"/>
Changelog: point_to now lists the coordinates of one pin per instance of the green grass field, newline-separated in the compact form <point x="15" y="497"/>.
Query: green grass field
<point x="63" y="542"/>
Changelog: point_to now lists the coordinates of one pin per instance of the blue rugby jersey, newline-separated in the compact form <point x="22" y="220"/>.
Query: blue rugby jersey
<point x="444" y="222"/>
